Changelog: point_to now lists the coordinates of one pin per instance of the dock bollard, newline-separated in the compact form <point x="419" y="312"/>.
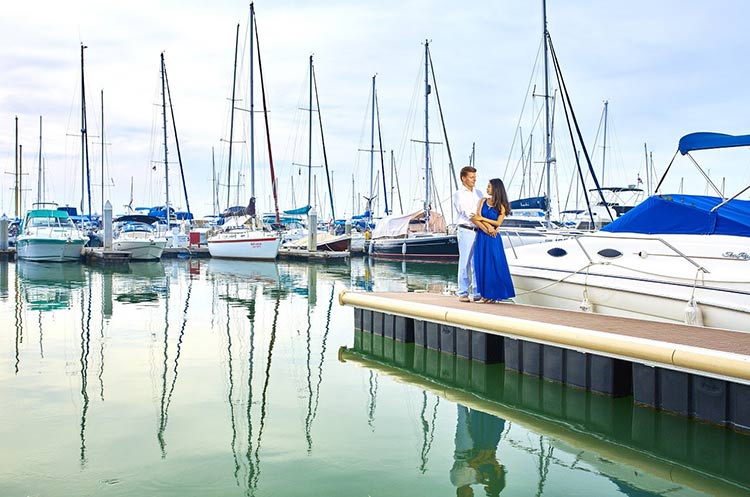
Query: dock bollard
<point x="312" y="230"/>
<point x="107" y="221"/>
<point x="4" y="232"/>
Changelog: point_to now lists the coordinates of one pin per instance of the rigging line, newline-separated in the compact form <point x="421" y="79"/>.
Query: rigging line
<point x="268" y="132"/>
<point x="567" y="108"/>
<point x="323" y="140"/>
<point x="525" y="100"/>
<point x="566" y="99"/>
<point x="405" y="143"/>
<point x="382" y="162"/>
<point x="231" y="119"/>
<point x="442" y="121"/>
<point x="177" y="145"/>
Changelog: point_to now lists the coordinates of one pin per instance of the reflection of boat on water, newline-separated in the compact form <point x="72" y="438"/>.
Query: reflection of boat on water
<point x="47" y="285"/>
<point x="406" y="276"/>
<point x="632" y="447"/>
<point x="261" y="271"/>
<point x="143" y="282"/>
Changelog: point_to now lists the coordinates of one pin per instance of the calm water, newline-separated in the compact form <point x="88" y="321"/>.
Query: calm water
<point x="217" y="378"/>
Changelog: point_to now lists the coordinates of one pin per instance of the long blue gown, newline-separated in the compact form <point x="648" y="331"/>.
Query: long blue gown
<point x="492" y="275"/>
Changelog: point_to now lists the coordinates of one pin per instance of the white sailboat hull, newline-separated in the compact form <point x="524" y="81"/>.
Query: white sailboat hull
<point x="655" y="276"/>
<point x="244" y="244"/>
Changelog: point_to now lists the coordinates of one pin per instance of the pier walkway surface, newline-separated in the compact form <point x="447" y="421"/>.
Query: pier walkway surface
<point x="688" y="370"/>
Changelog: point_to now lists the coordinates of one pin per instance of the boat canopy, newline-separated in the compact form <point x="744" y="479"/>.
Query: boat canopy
<point x="300" y="211"/>
<point x="136" y="218"/>
<point x="705" y="141"/>
<point x="395" y="226"/>
<point x="685" y="215"/>
<point x="47" y="213"/>
<point x="529" y="203"/>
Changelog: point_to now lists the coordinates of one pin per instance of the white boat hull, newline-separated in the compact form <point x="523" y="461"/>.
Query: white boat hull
<point x="141" y="250"/>
<point x="244" y="244"/>
<point x="648" y="280"/>
<point x="49" y="249"/>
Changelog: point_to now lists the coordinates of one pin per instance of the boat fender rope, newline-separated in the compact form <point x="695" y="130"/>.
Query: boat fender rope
<point x="585" y="268"/>
<point x="693" y="313"/>
<point x="585" y="305"/>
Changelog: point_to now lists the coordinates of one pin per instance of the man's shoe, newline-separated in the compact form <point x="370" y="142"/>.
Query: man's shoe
<point x="478" y="298"/>
<point x="464" y="298"/>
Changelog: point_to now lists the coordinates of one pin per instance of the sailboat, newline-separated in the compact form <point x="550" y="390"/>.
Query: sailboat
<point x="420" y="235"/>
<point x="242" y="236"/>
<point x="299" y="238"/>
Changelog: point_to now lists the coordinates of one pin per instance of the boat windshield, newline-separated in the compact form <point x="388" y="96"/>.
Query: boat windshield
<point x="50" y="222"/>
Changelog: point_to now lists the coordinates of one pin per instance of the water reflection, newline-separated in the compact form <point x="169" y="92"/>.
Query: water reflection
<point x="142" y="282"/>
<point x="166" y="393"/>
<point x="240" y="285"/>
<point x="246" y="390"/>
<point x="405" y="276"/>
<point x="3" y="280"/>
<point x="47" y="286"/>
<point x="475" y="457"/>
<point x="639" y="450"/>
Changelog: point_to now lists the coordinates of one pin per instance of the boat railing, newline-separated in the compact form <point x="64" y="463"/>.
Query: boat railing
<point x="671" y="247"/>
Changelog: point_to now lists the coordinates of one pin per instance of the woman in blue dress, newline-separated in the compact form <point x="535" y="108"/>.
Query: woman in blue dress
<point x="492" y="275"/>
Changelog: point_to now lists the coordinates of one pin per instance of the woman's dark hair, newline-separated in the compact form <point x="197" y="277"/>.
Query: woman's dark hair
<point x="499" y="198"/>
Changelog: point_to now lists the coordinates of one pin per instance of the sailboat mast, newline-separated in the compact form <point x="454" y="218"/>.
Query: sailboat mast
<point x="102" y="99"/>
<point x="85" y="175"/>
<point x="309" y="140"/>
<point x="426" y="136"/>
<point x="177" y="146"/>
<point x="547" y="131"/>
<point x="18" y="176"/>
<point x="372" y="147"/>
<point x="252" y="105"/>
<point x="39" y="196"/>
<point x="329" y="174"/>
<point x="166" y="153"/>
<point x="604" y="148"/>
<point x="382" y="160"/>
<point x="214" y="201"/>
<point x="231" y="118"/>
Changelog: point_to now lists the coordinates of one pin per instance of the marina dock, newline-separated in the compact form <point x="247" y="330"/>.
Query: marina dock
<point x="695" y="372"/>
<point x="314" y="255"/>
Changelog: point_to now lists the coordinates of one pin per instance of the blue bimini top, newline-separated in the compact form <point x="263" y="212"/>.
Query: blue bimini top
<point x="685" y="215"/>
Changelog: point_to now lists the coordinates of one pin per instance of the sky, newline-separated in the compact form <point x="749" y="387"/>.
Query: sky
<point x="665" y="68"/>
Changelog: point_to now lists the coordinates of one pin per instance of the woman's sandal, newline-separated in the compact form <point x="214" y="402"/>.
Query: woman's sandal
<point x="484" y="301"/>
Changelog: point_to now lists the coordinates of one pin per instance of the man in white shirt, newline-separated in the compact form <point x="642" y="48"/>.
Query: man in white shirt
<point x="465" y="202"/>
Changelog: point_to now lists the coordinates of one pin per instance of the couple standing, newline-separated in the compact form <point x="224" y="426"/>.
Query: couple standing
<point x="481" y="255"/>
